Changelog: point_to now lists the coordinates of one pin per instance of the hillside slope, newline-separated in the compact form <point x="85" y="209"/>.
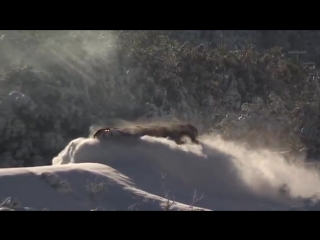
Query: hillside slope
<point x="87" y="186"/>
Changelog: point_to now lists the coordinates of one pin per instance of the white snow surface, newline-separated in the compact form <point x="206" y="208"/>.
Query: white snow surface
<point x="157" y="174"/>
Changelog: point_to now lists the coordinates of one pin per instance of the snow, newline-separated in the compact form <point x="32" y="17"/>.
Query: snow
<point x="156" y="173"/>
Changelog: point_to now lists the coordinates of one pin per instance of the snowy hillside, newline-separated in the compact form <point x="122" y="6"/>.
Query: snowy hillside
<point x="156" y="174"/>
<point x="256" y="109"/>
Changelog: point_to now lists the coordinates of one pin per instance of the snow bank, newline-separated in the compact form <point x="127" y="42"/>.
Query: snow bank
<point x="227" y="176"/>
<point x="87" y="186"/>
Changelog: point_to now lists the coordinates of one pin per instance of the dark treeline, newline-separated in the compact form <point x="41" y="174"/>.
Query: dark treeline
<point x="56" y="84"/>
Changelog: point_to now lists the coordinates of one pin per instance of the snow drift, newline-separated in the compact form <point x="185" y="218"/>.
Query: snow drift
<point x="228" y="176"/>
<point x="156" y="174"/>
<point x="87" y="186"/>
